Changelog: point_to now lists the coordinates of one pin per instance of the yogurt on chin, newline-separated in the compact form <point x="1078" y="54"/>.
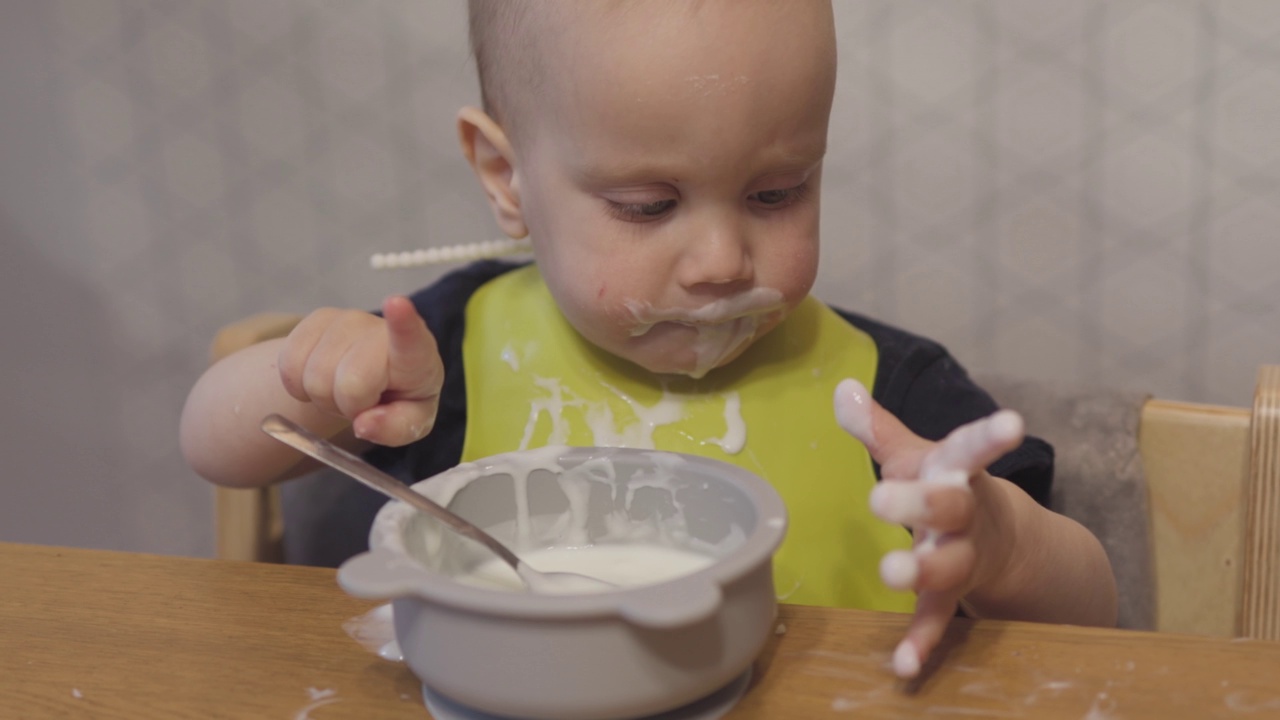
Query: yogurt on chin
<point x="623" y="565"/>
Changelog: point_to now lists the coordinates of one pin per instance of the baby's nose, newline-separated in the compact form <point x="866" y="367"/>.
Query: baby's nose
<point x="719" y="254"/>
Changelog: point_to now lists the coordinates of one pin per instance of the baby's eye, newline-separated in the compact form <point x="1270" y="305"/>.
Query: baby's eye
<point x="772" y="197"/>
<point x="641" y="212"/>
<point x="779" y="198"/>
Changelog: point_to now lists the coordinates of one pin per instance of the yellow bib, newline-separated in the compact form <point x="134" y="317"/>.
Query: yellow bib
<point x="533" y="381"/>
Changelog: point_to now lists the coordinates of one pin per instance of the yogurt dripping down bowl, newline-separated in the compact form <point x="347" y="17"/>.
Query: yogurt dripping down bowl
<point x="614" y="654"/>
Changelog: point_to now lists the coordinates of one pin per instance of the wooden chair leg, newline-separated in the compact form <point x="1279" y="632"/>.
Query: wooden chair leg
<point x="249" y="524"/>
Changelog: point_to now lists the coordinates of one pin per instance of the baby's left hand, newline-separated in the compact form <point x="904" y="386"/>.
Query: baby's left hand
<point x="943" y="492"/>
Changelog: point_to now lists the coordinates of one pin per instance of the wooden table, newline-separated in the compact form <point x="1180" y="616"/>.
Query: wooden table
<point x="93" y="634"/>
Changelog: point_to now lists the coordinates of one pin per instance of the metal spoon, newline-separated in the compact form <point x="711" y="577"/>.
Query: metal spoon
<point x="298" y="437"/>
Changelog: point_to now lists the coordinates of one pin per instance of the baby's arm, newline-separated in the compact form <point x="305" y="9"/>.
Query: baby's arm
<point x="345" y="374"/>
<point x="980" y="540"/>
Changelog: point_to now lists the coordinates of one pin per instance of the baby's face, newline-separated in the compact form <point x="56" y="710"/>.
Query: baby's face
<point x="671" y="171"/>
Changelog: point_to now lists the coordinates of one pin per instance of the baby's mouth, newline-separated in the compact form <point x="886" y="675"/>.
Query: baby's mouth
<point x="721" y="329"/>
<point x="751" y="307"/>
<point x="713" y="344"/>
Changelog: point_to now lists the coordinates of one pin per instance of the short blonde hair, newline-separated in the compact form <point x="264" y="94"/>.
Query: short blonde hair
<point x="505" y="52"/>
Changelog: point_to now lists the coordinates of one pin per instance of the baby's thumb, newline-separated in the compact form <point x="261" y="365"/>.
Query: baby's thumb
<point x="397" y="423"/>
<point x="864" y="418"/>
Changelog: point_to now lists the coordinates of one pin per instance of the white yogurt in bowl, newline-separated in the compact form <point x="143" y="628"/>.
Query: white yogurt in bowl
<point x="688" y="540"/>
<point x="624" y="566"/>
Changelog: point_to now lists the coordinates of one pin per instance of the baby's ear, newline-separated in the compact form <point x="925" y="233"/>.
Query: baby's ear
<point x="485" y="145"/>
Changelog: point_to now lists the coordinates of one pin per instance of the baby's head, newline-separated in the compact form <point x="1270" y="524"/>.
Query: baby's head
<point x="664" y="157"/>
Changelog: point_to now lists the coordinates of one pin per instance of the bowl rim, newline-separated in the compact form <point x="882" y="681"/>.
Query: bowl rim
<point x="757" y="549"/>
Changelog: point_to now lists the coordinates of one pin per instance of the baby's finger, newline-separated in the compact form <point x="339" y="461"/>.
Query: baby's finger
<point x="933" y="612"/>
<point x="972" y="447"/>
<point x="923" y="505"/>
<point x="945" y="566"/>
<point x="321" y="376"/>
<point x="317" y="382"/>
<point x="948" y="567"/>
<point x="900" y="501"/>
<point x="397" y="423"/>
<point x="413" y="361"/>
<point x="899" y="569"/>
<point x="297" y="348"/>
<point x="360" y="378"/>
<point x="862" y="417"/>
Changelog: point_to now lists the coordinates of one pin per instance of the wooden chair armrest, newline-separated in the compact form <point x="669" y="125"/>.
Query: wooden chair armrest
<point x="251" y="330"/>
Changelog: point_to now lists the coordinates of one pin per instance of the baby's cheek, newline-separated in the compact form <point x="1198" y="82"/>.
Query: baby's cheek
<point x="796" y="273"/>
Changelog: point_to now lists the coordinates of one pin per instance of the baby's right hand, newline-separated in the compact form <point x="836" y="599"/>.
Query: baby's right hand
<point x="383" y="374"/>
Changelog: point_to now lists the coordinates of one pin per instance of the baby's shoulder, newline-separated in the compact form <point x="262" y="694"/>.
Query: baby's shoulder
<point x="443" y="302"/>
<point x="460" y="284"/>
<point x="897" y="348"/>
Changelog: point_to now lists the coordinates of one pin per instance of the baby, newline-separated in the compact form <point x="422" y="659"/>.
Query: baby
<point x="665" y="161"/>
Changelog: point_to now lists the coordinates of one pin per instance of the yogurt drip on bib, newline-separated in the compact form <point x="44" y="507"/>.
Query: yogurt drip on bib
<point x="609" y="430"/>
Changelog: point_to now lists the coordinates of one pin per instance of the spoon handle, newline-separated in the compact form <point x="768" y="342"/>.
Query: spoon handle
<point x="299" y="438"/>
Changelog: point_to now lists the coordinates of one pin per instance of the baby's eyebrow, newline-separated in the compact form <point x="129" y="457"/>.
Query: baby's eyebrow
<point x="627" y="172"/>
<point x="800" y="158"/>
<point x="643" y="174"/>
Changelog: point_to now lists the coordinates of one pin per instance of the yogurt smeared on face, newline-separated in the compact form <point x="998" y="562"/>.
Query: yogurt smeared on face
<point x="629" y="565"/>
<point x="723" y="326"/>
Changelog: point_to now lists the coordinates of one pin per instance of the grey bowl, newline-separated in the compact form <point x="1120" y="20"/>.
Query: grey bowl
<point x="618" y="654"/>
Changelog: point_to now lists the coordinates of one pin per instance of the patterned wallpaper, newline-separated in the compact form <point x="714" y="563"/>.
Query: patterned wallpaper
<point x="1078" y="190"/>
<point x="1083" y="191"/>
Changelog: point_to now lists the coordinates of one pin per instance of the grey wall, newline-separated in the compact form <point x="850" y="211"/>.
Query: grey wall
<point x="1082" y="191"/>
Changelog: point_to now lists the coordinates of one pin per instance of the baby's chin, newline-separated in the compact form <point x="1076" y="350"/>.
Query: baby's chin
<point x="690" y="368"/>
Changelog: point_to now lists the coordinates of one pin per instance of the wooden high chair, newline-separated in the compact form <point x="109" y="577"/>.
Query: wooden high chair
<point x="1213" y="475"/>
<point x="1212" y="480"/>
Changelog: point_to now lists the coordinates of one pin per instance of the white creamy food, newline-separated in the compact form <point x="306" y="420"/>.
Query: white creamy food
<point x="624" y="565"/>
